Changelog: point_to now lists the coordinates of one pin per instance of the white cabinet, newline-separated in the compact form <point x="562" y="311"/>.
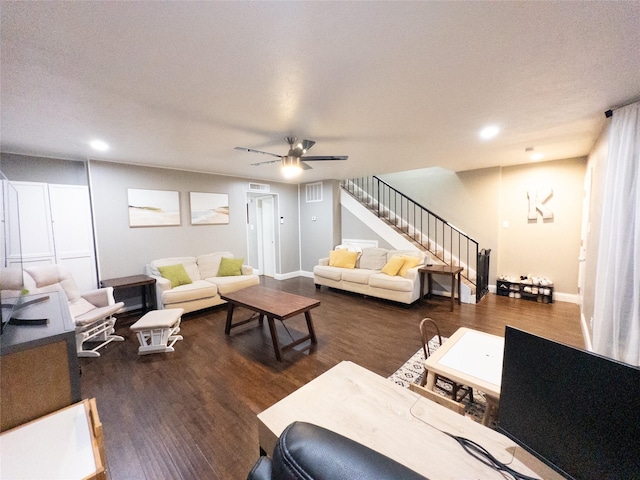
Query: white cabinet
<point x="56" y="227"/>
<point x="36" y="234"/>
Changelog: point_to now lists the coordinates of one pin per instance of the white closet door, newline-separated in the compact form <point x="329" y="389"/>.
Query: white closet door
<point x="36" y="233"/>
<point x="73" y="232"/>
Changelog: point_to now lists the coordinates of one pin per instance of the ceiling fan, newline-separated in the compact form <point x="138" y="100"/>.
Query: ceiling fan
<point x="294" y="161"/>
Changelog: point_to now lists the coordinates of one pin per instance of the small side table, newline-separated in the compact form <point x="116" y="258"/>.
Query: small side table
<point x="441" y="270"/>
<point x="145" y="282"/>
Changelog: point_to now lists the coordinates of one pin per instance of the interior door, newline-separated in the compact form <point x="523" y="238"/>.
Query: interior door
<point x="266" y="235"/>
<point x="73" y="232"/>
<point x="36" y="234"/>
<point x="56" y="227"/>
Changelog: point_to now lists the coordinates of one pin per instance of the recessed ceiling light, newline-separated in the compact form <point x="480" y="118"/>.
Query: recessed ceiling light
<point x="99" y="145"/>
<point x="489" y="132"/>
<point x="536" y="156"/>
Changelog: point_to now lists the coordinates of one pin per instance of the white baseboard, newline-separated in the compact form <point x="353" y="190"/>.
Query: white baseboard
<point x="288" y="275"/>
<point x="566" y="297"/>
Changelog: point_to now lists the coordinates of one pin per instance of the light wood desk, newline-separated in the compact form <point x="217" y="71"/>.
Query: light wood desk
<point x="471" y="358"/>
<point x="65" y="445"/>
<point x="392" y="420"/>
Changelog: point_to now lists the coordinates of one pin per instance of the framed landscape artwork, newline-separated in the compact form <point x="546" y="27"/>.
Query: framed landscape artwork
<point x="153" y="208"/>
<point x="209" y="208"/>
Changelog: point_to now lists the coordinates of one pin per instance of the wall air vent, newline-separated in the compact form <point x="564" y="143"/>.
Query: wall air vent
<point x="259" y="187"/>
<point x="313" y="192"/>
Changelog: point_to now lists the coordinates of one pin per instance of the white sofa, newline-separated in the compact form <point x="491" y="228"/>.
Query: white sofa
<point x="206" y="286"/>
<point x="367" y="277"/>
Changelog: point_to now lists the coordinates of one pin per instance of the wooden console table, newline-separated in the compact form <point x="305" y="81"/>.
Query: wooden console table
<point x="365" y="407"/>
<point x="145" y="283"/>
<point x="39" y="368"/>
<point x="429" y="270"/>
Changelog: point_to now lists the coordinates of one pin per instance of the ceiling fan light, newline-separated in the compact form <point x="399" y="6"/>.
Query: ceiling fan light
<point x="291" y="166"/>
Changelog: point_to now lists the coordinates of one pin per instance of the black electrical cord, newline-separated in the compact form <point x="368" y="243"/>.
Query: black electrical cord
<point x="478" y="451"/>
<point x="482" y="454"/>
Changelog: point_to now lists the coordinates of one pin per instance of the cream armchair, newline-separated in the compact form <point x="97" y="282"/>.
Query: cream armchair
<point x="92" y="311"/>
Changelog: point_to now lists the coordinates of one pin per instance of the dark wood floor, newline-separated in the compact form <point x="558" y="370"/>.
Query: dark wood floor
<point x="191" y="414"/>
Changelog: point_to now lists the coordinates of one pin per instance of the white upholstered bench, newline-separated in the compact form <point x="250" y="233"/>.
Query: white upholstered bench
<point x="156" y="329"/>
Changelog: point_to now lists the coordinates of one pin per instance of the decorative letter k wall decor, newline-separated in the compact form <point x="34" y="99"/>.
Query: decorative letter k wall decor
<point x="537" y="198"/>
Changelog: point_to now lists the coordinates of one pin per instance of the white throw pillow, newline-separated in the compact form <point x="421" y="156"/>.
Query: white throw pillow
<point x="210" y="264"/>
<point x="373" y="258"/>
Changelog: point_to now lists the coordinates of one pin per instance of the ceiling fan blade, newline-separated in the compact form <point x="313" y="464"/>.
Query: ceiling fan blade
<point x="307" y="144"/>
<point x="325" y="157"/>
<point x="257" y="151"/>
<point x="304" y="166"/>
<point x="268" y="161"/>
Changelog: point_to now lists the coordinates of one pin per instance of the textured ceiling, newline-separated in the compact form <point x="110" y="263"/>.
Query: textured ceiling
<point x="396" y="86"/>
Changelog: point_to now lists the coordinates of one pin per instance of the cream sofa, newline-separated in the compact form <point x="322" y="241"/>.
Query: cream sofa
<point x="367" y="277"/>
<point x="206" y="286"/>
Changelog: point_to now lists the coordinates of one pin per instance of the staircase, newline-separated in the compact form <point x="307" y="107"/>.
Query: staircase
<point x="424" y="229"/>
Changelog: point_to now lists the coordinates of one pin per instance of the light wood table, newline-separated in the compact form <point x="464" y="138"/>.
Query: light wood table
<point x="471" y="358"/>
<point x="370" y="409"/>
<point x="66" y="445"/>
<point x="429" y="270"/>
<point x="274" y="305"/>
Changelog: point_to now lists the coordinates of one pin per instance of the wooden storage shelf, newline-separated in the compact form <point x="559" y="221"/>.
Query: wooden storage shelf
<point x="536" y="293"/>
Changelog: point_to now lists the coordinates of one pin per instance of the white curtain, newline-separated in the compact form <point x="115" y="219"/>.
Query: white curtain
<point x="616" y="320"/>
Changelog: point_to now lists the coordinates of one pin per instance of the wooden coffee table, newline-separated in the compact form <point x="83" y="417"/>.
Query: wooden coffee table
<point x="274" y="305"/>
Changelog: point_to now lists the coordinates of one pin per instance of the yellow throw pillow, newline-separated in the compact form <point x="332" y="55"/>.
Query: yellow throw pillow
<point x="342" y="258"/>
<point x="409" y="262"/>
<point x="393" y="266"/>
<point x="176" y="274"/>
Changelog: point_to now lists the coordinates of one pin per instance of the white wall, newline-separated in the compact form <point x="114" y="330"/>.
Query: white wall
<point x="545" y="248"/>
<point x="319" y="224"/>
<point x="46" y="170"/>
<point x="123" y="250"/>
<point x="479" y="201"/>
<point x="476" y="201"/>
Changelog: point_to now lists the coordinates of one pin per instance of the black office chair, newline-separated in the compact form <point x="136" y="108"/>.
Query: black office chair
<point x="308" y="452"/>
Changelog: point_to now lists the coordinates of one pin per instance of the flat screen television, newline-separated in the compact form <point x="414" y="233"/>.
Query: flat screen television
<point x="577" y="411"/>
